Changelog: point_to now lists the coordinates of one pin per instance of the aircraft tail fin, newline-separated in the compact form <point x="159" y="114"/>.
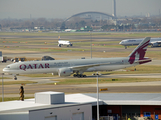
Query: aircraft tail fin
<point x="139" y="52"/>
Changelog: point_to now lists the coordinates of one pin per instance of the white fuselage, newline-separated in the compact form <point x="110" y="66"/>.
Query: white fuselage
<point x="62" y="42"/>
<point x="53" y="66"/>
<point x="131" y="42"/>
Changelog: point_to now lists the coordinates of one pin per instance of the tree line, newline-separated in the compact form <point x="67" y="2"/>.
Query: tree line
<point x="77" y="23"/>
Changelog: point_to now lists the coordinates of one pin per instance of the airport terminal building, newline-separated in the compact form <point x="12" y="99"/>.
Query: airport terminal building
<point x="57" y="106"/>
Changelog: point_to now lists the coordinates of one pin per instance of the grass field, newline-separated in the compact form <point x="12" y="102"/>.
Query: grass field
<point x="103" y="34"/>
<point x="75" y="51"/>
<point x="43" y="45"/>
<point x="78" y="81"/>
<point x="17" y="82"/>
<point x="50" y="45"/>
<point x="106" y="54"/>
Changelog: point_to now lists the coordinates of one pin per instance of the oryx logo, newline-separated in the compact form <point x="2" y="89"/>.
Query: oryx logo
<point x="138" y="53"/>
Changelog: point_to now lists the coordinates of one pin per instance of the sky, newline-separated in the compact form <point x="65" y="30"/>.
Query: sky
<point x="18" y="9"/>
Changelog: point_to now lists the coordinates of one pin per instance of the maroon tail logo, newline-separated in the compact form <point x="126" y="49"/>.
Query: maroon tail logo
<point x="138" y="53"/>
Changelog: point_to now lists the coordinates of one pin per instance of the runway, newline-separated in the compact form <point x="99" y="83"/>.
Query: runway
<point x="150" y="87"/>
<point x="41" y="85"/>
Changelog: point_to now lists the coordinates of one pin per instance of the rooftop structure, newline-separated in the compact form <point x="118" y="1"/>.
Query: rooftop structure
<point x="91" y="15"/>
<point x="78" y="105"/>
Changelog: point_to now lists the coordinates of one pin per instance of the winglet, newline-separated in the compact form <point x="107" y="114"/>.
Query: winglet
<point x="139" y="52"/>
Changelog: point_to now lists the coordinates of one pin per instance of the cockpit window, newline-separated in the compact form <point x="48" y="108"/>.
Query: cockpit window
<point x="7" y="66"/>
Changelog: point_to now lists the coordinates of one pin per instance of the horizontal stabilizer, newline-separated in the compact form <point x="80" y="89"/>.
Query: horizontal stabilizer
<point x="144" y="60"/>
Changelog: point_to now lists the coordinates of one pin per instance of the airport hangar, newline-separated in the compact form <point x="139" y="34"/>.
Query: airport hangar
<point x="92" y="15"/>
<point x="57" y="106"/>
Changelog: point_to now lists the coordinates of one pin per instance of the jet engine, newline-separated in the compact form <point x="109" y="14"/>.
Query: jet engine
<point x="155" y="44"/>
<point x="64" y="72"/>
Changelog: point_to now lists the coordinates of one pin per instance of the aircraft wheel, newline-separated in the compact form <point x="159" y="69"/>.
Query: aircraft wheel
<point x="74" y="75"/>
<point x="59" y="45"/>
<point x="79" y="76"/>
<point x="15" y="78"/>
<point x="84" y="76"/>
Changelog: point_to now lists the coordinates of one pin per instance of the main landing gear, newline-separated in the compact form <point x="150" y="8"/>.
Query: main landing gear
<point x="15" y="77"/>
<point x="79" y="75"/>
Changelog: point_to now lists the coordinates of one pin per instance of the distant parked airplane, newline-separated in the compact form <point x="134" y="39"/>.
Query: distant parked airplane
<point x="154" y="42"/>
<point x="79" y="66"/>
<point x="63" y="42"/>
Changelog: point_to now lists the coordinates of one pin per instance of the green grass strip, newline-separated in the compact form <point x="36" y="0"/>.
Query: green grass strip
<point x="17" y="82"/>
<point x="77" y="81"/>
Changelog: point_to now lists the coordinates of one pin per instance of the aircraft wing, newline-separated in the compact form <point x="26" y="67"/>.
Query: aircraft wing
<point x="84" y="67"/>
<point x="155" y="42"/>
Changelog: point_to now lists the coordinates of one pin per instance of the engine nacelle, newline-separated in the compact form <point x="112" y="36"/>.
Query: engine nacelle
<point x="64" y="72"/>
<point x="155" y="44"/>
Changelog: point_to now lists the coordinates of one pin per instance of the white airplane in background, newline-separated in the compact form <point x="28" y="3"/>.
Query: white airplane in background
<point x="154" y="42"/>
<point x="79" y="66"/>
<point x="63" y="42"/>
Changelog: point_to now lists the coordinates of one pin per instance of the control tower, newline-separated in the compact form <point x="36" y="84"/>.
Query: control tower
<point x="114" y="8"/>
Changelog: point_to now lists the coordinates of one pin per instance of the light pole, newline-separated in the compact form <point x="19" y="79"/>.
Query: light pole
<point x="97" y="99"/>
<point x="91" y="45"/>
<point x="97" y="96"/>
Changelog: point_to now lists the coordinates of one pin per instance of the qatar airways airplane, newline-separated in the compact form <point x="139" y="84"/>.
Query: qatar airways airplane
<point x="154" y="42"/>
<point x="79" y="66"/>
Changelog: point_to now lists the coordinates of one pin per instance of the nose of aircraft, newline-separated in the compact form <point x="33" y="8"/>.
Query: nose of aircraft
<point x="4" y="69"/>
